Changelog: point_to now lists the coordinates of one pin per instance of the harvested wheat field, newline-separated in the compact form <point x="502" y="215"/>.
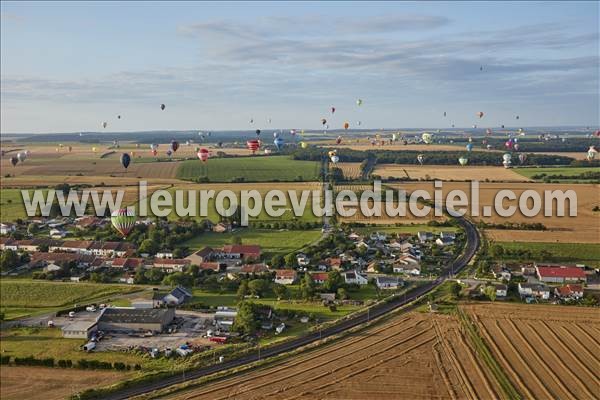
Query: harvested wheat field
<point x="412" y="356"/>
<point x="547" y="352"/>
<point x="583" y="228"/>
<point x="38" y="383"/>
<point x="351" y="170"/>
<point x="448" y="172"/>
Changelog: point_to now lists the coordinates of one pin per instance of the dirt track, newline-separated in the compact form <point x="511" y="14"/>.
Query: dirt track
<point x="546" y="351"/>
<point x="413" y="356"/>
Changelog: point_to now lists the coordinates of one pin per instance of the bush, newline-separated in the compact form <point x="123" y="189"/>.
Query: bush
<point x="4" y="360"/>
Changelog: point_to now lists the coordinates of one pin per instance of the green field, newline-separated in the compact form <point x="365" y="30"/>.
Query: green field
<point x="272" y="242"/>
<point x="11" y="205"/>
<point x="566" y="171"/>
<point x="20" y="298"/>
<point x="587" y="253"/>
<point x="251" y="169"/>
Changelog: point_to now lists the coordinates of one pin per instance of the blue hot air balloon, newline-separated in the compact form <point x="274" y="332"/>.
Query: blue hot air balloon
<point x="278" y="143"/>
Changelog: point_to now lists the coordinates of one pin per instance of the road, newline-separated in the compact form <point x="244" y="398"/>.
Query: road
<point x="471" y="246"/>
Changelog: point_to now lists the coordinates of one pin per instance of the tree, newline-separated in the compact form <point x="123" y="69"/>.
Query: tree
<point x="9" y="260"/>
<point x="139" y="277"/>
<point x="148" y="246"/>
<point x="334" y="281"/>
<point x="490" y="292"/>
<point x="307" y="287"/>
<point x="246" y="322"/>
<point x="455" y="289"/>
<point x="290" y="260"/>
<point x="281" y="292"/>
<point x="277" y="261"/>
<point x="258" y="287"/>
<point x="236" y="239"/>
<point x="342" y="294"/>
<point x="243" y="290"/>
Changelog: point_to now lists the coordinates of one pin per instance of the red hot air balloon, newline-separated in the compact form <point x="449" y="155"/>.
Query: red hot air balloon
<point x="253" y="145"/>
<point x="203" y="155"/>
<point x="154" y="152"/>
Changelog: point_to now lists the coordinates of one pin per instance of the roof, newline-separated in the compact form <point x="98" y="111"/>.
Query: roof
<point x="180" y="292"/>
<point x="285" y="273"/>
<point x="254" y="268"/>
<point x="77" y="244"/>
<point x="387" y="279"/>
<point x="569" y="289"/>
<point x="171" y="261"/>
<point x="204" y="252"/>
<point x="534" y="286"/>
<point x="81" y="325"/>
<point x="215" y="266"/>
<point x="561" y="272"/>
<point x="242" y="248"/>
<point x="127" y="262"/>
<point x="320" y="276"/>
<point x="133" y="315"/>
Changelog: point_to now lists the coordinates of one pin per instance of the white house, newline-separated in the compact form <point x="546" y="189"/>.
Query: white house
<point x="302" y="260"/>
<point x="411" y="269"/>
<point x="501" y="290"/>
<point x="388" y="282"/>
<point x="534" y="290"/>
<point x="57" y="233"/>
<point x="445" y="241"/>
<point x="424" y="236"/>
<point x="353" y="277"/>
<point x="285" y="276"/>
<point x="6" y="228"/>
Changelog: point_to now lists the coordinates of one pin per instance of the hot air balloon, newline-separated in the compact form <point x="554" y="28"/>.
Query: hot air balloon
<point x="323" y="121"/>
<point x="196" y="149"/>
<point x="331" y="153"/>
<point x="463" y="161"/>
<point x="162" y="106"/>
<point x="420" y="158"/>
<point x="278" y="143"/>
<point x="427" y="138"/>
<point x="14" y="160"/>
<point x="489" y="146"/>
<point x="275" y="134"/>
<point x="335" y="159"/>
<point x="123" y="220"/>
<point x="502" y="126"/>
<point x="469" y="146"/>
<point x="359" y="102"/>
<point x="267" y="151"/>
<point x="220" y="144"/>
<point x="394" y="137"/>
<point x="516" y="146"/>
<point x="94" y="149"/>
<point x="27" y="153"/>
<point x="480" y="114"/>
<point x="137" y="145"/>
<point x="293" y="132"/>
<point x="521" y="132"/>
<point x="591" y="154"/>
<point x="326" y="127"/>
<point x="338" y="140"/>
<point x="269" y="120"/>
<point x="169" y="153"/>
<point x="488" y="131"/>
<point x="125" y="160"/>
<point x="506" y="160"/>
<point x="104" y="124"/>
<point x="444" y="113"/>
<point x="203" y="155"/>
<point x="257" y="132"/>
<point x="508" y="144"/>
<point x="253" y="145"/>
<point x="346" y="125"/>
<point x="522" y="158"/>
<point x="597" y="133"/>
<point x="132" y="154"/>
<point x="517" y="117"/>
<point x="174" y="145"/>
<point x="332" y="110"/>
<point x="154" y="152"/>
<point x="21" y="157"/>
<point x="303" y="145"/>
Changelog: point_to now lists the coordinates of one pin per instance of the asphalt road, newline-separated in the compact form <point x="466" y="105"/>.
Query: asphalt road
<point x="471" y="246"/>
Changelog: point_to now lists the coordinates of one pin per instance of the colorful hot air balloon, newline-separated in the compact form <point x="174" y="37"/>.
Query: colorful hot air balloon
<point x="346" y="125"/>
<point x="293" y="132"/>
<point x="335" y="159"/>
<point x="169" y="153"/>
<point x="275" y="134"/>
<point x="303" y="145"/>
<point x="162" y="106"/>
<point x="591" y="154"/>
<point x="359" y="102"/>
<point x="203" y="155"/>
<point x="338" y="140"/>
<point x="469" y="146"/>
<point x="257" y="132"/>
<point x="463" y="161"/>
<point x="125" y="160"/>
<point x="331" y="153"/>
<point x="267" y="151"/>
<point x="394" y="137"/>
<point x="516" y="146"/>
<point x="480" y="114"/>
<point x="488" y="131"/>
<point x="444" y="113"/>
<point x="489" y="146"/>
<point x="118" y="117"/>
<point x="21" y="156"/>
<point x="420" y="158"/>
<point x="14" y="160"/>
<point x="154" y="152"/>
<point x="506" y="160"/>
<point x="123" y="220"/>
<point x="253" y="145"/>
<point x="427" y="137"/>
<point x="94" y="149"/>
<point x="278" y="143"/>
<point x="174" y="145"/>
<point x="522" y="158"/>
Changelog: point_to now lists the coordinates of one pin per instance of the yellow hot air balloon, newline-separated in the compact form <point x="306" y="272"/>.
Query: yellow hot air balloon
<point x="303" y="145"/>
<point x="94" y="149"/>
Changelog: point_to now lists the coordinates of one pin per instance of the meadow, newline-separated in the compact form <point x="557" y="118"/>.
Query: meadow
<point x="586" y="253"/>
<point x="250" y="169"/>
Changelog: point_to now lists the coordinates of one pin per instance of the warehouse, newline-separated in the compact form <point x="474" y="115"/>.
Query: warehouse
<point x="80" y="329"/>
<point x="125" y="319"/>
<point x="560" y="274"/>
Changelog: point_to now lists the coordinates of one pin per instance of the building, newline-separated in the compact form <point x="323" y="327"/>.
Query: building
<point x="501" y="272"/>
<point x="6" y="228"/>
<point x="164" y="254"/>
<point x="501" y="289"/>
<point x="449" y="235"/>
<point x="424" y="236"/>
<point x="254" y="269"/>
<point x="224" y="319"/>
<point x="126" y="263"/>
<point x="221" y="228"/>
<point x="177" y="296"/>
<point x="444" y="241"/>
<point x="534" y="290"/>
<point x="560" y="274"/>
<point x="388" y="282"/>
<point x="126" y="319"/>
<point x="353" y="277"/>
<point x="171" y="265"/>
<point x="213" y="266"/>
<point x="244" y="252"/>
<point x="570" y="291"/>
<point x="83" y="329"/>
<point x="303" y="260"/>
<point x="201" y="256"/>
<point x="285" y="276"/>
<point x="319" y="277"/>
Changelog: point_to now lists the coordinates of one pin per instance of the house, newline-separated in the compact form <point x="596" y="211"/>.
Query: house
<point x="88" y="222"/>
<point x="444" y="241"/>
<point x="164" y="254"/>
<point x="560" y="274"/>
<point x="501" y="289"/>
<point x="354" y="237"/>
<point x="128" y="279"/>
<point x="379" y="237"/>
<point x="319" y="277"/>
<point x="57" y="233"/>
<point x="8" y="244"/>
<point x="302" y="260"/>
<point x="449" y="235"/>
<point x="388" y="282"/>
<point x="30" y="246"/>
<point x="334" y="263"/>
<point x="51" y="267"/>
<point x="213" y="266"/>
<point x="534" y="290"/>
<point x="171" y="265"/>
<point x="222" y="228"/>
<point x="177" y="296"/>
<point x="224" y="319"/>
<point x="285" y="276"/>
<point x="241" y="251"/>
<point x="353" y="277"/>
<point x="424" y="236"/>
<point x="82" y="329"/>
<point x="200" y="256"/>
<point x="411" y="269"/>
<point x="570" y="291"/>
<point x="327" y="297"/>
<point x="40" y="259"/>
<point x="254" y="269"/>
<point x="76" y="246"/>
<point x="126" y="263"/>
<point x="7" y="228"/>
<point x="501" y="272"/>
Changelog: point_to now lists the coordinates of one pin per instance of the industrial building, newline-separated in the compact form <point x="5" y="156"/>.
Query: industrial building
<point x="80" y="329"/>
<point x="124" y="319"/>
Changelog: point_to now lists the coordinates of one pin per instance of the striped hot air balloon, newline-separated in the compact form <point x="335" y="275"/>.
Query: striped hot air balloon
<point x="123" y="220"/>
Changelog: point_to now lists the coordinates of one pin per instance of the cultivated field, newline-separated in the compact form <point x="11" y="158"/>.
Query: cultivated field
<point x="351" y="170"/>
<point x="251" y="169"/>
<point x="38" y="383"/>
<point x="547" y="352"/>
<point x="584" y="228"/>
<point x="412" y="356"/>
<point x="447" y="172"/>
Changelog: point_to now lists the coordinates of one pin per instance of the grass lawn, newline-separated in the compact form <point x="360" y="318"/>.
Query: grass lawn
<point x="272" y="242"/>
<point x="566" y="171"/>
<point x="587" y="253"/>
<point x="413" y="229"/>
<point x="11" y="204"/>
<point x="20" y="298"/>
<point x="252" y="169"/>
<point x="48" y="342"/>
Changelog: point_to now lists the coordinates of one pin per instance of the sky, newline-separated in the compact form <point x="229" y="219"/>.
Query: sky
<point x="69" y="66"/>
